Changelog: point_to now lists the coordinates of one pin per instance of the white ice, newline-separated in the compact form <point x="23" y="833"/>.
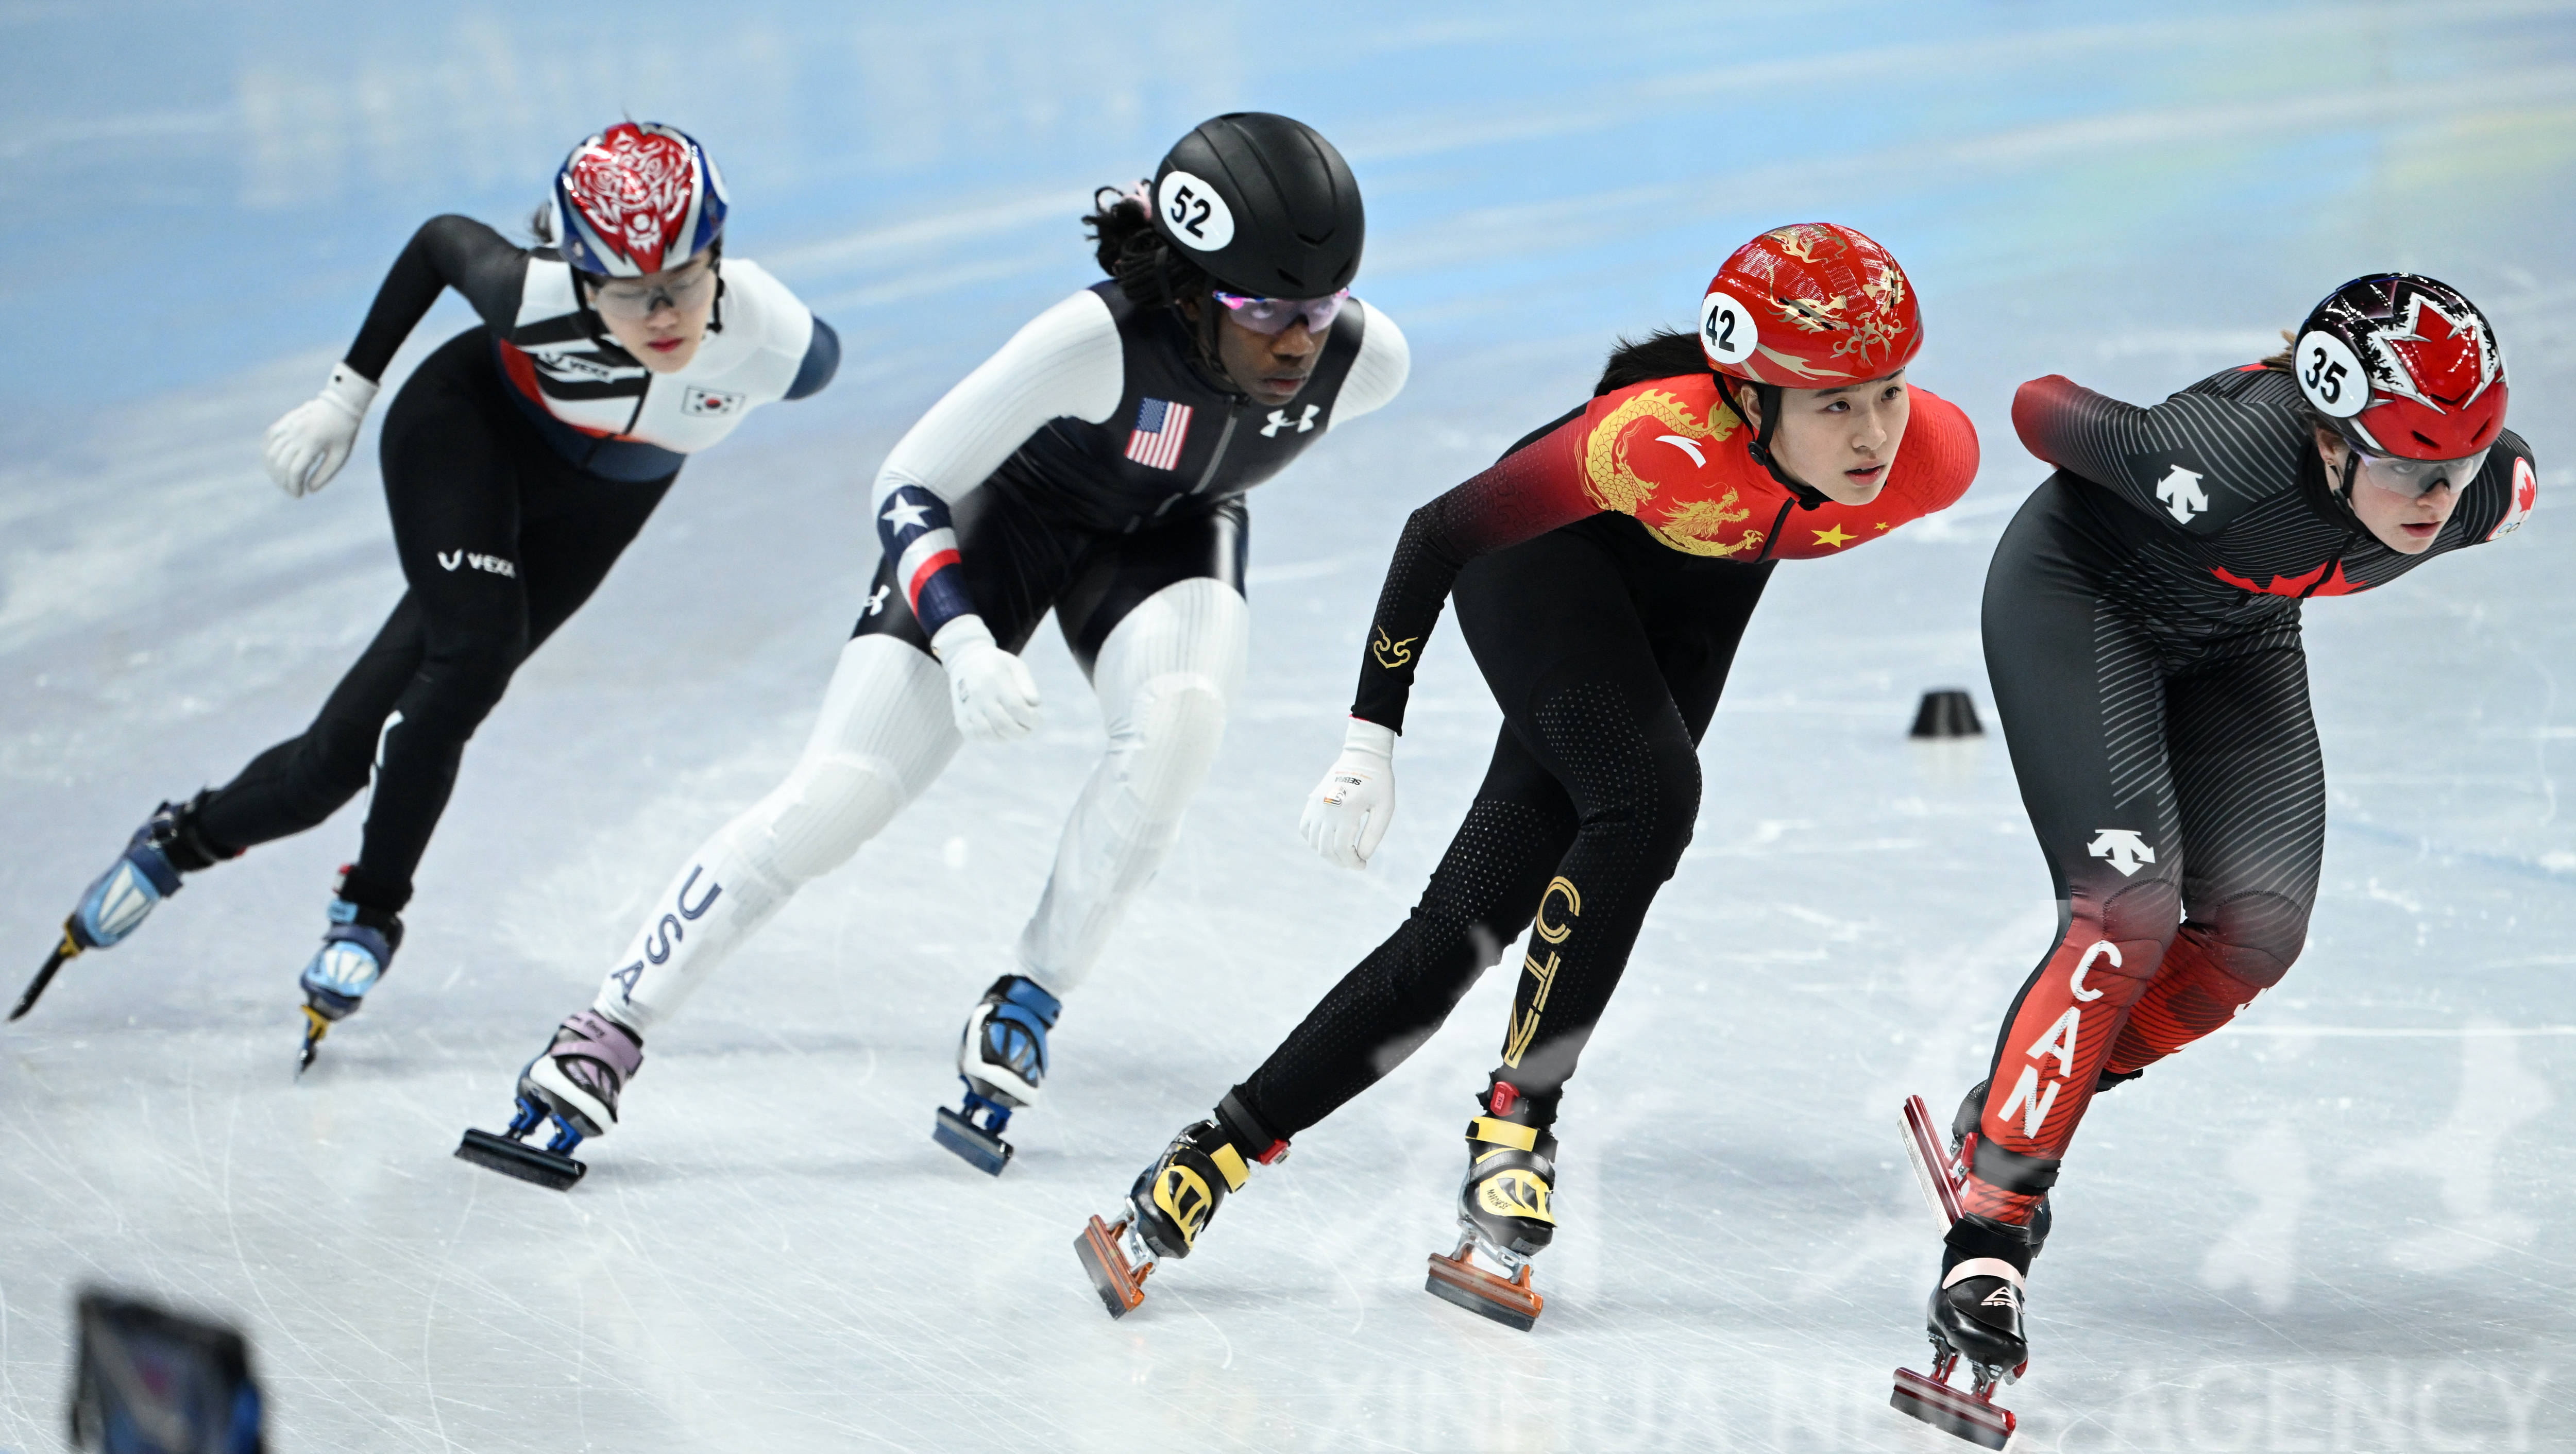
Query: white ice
<point x="2342" y="1225"/>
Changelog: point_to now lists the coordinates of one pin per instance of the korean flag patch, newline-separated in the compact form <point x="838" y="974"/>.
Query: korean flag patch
<point x="700" y="403"/>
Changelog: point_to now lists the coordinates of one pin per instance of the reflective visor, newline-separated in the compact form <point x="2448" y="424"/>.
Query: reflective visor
<point x="2415" y="478"/>
<point x="1273" y="315"/>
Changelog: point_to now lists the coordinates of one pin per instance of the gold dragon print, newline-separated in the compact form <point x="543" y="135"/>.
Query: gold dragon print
<point x="1613" y="483"/>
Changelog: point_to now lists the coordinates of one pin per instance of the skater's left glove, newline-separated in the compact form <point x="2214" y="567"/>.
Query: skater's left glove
<point x="1348" y="812"/>
<point x="989" y="689"/>
<point x="308" y="446"/>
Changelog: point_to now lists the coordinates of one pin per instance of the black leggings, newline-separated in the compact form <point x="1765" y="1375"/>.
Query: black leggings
<point x="2178" y="792"/>
<point x="501" y="540"/>
<point x="1606" y="651"/>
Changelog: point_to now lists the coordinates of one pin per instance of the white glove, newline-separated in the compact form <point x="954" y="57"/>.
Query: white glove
<point x="308" y="446"/>
<point x="988" y="688"/>
<point x="1348" y="812"/>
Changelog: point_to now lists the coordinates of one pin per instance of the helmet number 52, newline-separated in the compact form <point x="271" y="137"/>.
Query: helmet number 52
<point x="1195" y="224"/>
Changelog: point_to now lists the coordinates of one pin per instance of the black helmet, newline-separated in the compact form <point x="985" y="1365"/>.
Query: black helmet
<point x="1263" y="204"/>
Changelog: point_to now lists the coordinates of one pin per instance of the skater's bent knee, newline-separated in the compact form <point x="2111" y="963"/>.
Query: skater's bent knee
<point x="1178" y="721"/>
<point x="2254" y="937"/>
<point x="821" y="815"/>
<point x="2149" y="910"/>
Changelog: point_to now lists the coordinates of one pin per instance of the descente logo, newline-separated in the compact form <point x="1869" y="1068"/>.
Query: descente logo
<point x="451" y="559"/>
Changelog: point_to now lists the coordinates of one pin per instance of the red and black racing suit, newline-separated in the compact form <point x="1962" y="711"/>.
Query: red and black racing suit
<point x="2142" y="634"/>
<point x="1604" y="570"/>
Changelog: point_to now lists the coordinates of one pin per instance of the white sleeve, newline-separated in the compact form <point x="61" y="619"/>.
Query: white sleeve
<point x="1378" y="374"/>
<point x="1067" y="361"/>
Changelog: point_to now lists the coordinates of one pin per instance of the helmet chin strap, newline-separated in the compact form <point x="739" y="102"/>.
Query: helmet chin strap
<point x="1768" y="396"/>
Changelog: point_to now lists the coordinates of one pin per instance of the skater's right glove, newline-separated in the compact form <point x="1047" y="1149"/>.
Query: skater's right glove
<point x="989" y="689"/>
<point x="308" y="446"/>
<point x="1348" y="812"/>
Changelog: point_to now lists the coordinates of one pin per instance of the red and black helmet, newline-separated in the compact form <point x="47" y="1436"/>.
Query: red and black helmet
<point x="1815" y="305"/>
<point x="2403" y="366"/>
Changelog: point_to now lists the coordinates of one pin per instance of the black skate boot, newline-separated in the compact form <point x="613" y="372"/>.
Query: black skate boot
<point x="575" y="1084"/>
<point x="1975" y="1314"/>
<point x="118" y="901"/>
<point x="1503" y="1214"/>
<point x="1173" y="1201"/>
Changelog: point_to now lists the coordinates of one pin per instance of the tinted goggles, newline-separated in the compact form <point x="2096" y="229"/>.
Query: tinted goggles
<point x="2415" y="478"/>
<point x="1273" y="315"/>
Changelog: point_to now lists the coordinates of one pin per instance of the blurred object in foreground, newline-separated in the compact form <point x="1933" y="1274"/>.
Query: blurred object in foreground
<point x="155" y="1382"/>
<point x="1946" y="712"/>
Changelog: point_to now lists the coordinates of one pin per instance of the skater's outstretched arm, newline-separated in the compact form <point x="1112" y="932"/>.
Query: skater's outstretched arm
<point x="307" y="447"/>
<point x="1528" y="492"/>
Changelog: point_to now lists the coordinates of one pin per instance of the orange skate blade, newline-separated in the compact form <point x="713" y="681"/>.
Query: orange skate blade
<point x="1951" y="1410"/>
<point x="1455" y="1279"/>
<point x="1121" y="1286"/>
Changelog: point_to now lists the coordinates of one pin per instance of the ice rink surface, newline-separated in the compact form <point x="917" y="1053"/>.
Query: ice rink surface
<point x="2344" y="1224"/>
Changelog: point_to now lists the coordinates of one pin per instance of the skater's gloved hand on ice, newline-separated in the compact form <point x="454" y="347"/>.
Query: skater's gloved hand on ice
<point x="308" y="446"/>
<point x="1348" y="812"/>
<point x="989" y="689"/>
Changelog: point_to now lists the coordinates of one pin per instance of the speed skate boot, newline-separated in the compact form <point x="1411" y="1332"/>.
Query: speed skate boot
<point x="1503" y="1213"/>
<point x="1975" y="1315"/>
<point x="118" y="901"/>
<point x="1003" y="1061"/>
<point x="1173" y="1201"/>
<point x="356" y="950"/>
<point x="575" y="1084"/>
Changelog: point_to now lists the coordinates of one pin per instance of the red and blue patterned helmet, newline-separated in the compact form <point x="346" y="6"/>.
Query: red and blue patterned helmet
<point x="638" y="198"/>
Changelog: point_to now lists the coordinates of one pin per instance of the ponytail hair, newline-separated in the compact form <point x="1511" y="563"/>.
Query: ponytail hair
<point x="1123" y="238"/>
<point x="1663" y="354"/>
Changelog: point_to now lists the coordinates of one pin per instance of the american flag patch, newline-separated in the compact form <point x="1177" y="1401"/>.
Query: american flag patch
<point x="1161" y="428"/>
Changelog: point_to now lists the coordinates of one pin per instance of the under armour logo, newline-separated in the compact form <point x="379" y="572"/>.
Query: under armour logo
<point x="2181" y="493"/>
<point x="2125" y="850"/>
<point x="1279" y="420"/>
<point x="877" y="600"/>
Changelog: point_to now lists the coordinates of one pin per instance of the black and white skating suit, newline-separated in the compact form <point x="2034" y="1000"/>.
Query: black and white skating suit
<point x="518" y="462"/>
<point x="1092" y="467"/>
<point x="2142" y="633"/>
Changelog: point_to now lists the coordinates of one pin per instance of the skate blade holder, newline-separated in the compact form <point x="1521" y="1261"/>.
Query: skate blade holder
<point x="510" y="1153"/>
<point x="1119" y="1279"/>
<point x="978" y="1145"/>
<point x="1971" y="1415"/>
<point x="1457" y="1279"/>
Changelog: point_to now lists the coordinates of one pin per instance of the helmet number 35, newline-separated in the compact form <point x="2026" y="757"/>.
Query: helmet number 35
<point x="1193" y="214"/>
<point x="2330" y="376"/>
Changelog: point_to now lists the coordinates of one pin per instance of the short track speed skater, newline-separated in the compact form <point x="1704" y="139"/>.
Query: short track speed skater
<point x="1976" y="1312"/>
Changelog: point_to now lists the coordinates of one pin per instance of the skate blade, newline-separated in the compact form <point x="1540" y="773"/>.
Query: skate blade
<point x="1120" y="1285"/>
<point x="1511" y="1303"/>
<point x="974" y="1145"/>
<point x="549" y="1169"/>
<point x="45" y="976"/>
<point x="1950" y="1410"/>
<point x="1931" y="1158"/>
